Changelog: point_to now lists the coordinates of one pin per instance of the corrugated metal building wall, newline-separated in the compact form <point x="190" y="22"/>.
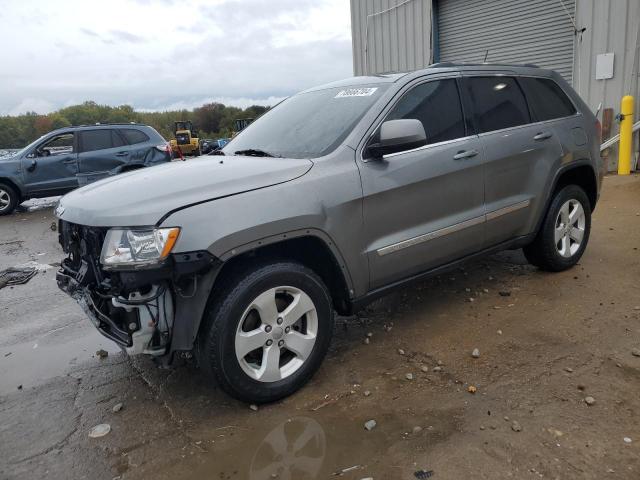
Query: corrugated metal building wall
<point x="397" y="35"/>
<point x="390" y="35"/>
<point x="611" y="27"/>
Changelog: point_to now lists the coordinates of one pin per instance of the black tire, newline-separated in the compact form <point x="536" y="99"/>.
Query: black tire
<point x="543" y="251"/>
<point x="8" y="192"/>
<point x="216" y="340"/>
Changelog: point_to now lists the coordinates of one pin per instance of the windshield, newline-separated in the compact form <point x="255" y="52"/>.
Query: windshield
<point x="23" y="150"/>
<point x="307" y="125"/>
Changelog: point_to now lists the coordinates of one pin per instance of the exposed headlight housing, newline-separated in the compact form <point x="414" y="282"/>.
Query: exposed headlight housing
<point x="132" y="247"/>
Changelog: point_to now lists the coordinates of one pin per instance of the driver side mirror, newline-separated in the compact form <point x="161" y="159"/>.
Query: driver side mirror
<point x="397" y="136"/>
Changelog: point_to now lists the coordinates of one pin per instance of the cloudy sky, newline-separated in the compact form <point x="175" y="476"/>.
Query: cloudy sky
<point x="165" y="54"/>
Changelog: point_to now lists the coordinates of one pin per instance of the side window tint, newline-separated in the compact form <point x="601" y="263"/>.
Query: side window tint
<point x="437" y="105"/>
<point x="546" y="98"/>
<point x="96" y="140"/>
<point x="116" y="139"/>
<point x="134" y="136"/>
<point x="498" y="103"/>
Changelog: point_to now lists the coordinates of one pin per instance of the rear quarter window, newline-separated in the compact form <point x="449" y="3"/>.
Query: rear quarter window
<point x="134" y="136"/>
<point x="546" y="99"/>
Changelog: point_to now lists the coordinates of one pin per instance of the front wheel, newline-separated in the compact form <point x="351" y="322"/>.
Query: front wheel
<point x="8" y="199"/>
<point x="267" y="333"/>
<point x="564" y="233"/>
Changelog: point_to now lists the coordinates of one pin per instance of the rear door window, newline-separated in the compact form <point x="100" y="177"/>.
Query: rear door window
<point x="134" y="136"/>
<point x="498" y="103"/>
<point x="437" y="105"/>
<point x="546" y="99"/>
<point x="93" y="140"/>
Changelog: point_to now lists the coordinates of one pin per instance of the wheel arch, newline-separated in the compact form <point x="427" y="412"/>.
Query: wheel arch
<point x="580" y="173"/>
<point x="310" y="247"/>
<point x="15" y="186"/>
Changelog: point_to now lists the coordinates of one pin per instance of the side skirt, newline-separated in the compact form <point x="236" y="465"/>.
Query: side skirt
<point x="361" y="302"/>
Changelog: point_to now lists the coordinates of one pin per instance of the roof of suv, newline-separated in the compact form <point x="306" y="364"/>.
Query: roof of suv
<point x="522" y="69"/>
<point x="96" y="126"/>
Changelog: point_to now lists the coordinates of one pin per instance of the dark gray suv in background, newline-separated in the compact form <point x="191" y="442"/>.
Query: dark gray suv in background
<point x="334" y="197"/>
<point x="74" y="156"/>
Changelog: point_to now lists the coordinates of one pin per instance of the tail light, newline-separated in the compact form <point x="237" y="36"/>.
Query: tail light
<point x="164" y="147"/>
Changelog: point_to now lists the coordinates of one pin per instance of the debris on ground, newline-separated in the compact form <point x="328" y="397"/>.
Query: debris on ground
<point x="417" y="429"/>
<point x="627" y="440"/>
<point x="400" y="351"/>
<point x="102" y="353"/>
<point x="475" y="353"/>
<point x="516" y="427"/>
<point x="472" y="389"/>
<point x="366" y="341"/>
<point x="339" y="473"/>
<point x="409" y="376"/>
<point x="370" y="425"/>
<point x="589" y="400"/>
<point x="17" y="275"/>
<point x="100" y="430"/>
<point x="117" y="407"/>
<point x="423" y="474"/>
<point x="635" y="352"/>
<point x="367" y="393"/>
<point x="568" y="369"/>
<point x="253" y="407"/>
<point x="437" y="368"/>
<point x="424" y="368"/>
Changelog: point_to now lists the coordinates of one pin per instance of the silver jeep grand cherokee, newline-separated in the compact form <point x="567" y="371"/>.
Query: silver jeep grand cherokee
<point x="331" y="199"/>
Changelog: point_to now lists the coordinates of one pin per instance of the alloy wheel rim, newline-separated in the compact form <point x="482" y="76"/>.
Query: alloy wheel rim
<point x="5" y="199"/>
<point x="276" y="334"/>
<point x="569" y="228"/>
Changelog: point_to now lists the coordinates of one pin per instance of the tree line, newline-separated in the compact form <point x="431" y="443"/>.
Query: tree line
<point x="212" y="120"/>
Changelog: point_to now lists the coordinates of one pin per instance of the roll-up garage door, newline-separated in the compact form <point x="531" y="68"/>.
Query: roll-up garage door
<point x="508" y="31"/>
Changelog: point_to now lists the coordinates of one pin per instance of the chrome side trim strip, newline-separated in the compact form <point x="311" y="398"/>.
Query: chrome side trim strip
<point x="509" y="209"/>
<point x="430" y="236"/>
<point x="452" y="229"/>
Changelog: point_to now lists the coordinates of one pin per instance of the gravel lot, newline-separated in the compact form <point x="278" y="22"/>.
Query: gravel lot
<point x="519" y="408"/>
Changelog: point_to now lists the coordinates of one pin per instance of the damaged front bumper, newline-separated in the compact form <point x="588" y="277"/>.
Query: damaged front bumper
<point x="154" y="311"/>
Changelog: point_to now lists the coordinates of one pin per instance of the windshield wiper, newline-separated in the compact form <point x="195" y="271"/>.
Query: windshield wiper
<point x="255" y="152"/>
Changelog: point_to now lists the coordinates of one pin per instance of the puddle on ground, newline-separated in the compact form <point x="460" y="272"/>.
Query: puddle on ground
<point x="305" y="447"/>
<point x="34" y="362"/>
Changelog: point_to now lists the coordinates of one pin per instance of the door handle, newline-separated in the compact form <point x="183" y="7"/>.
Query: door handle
<point x="122" y="154"/>
<point x="542" y="136"/>
<point x="465" y="154"/>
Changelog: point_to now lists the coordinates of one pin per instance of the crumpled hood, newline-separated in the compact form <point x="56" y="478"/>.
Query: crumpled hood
<point x="143" y="197"/>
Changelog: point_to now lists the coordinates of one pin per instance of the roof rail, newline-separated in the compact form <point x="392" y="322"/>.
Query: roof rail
<point x="486" y="64"/>
<point x="99" y="124"/>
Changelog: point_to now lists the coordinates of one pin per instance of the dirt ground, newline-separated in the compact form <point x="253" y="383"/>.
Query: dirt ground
<point x="546" y="342"/>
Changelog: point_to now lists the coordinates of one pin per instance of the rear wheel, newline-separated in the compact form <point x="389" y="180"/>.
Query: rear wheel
<point x="564" y="233"/>
<point x="268" y="332"/>
<point x="8" y="199"/>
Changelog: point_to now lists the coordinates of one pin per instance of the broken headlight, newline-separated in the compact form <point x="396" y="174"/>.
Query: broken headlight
<point x="137" y="247"/>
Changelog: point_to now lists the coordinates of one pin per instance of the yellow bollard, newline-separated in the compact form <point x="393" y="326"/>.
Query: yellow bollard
<point x="626" y="135"/>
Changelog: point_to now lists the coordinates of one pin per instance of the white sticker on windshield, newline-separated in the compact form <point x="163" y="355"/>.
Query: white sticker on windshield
<point x="356" y="92"/>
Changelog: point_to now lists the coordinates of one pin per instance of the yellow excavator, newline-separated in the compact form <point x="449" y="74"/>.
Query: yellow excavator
<point x="186" y="141"/>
